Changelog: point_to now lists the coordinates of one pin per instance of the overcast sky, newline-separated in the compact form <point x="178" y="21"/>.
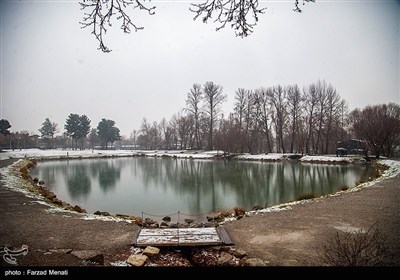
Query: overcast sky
<point x="50" y="67"/>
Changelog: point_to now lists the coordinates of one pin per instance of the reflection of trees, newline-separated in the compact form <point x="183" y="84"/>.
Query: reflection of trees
<point x="107" y="172"/>
<point x="207" y="184"/>
<point x="78" y="181"/>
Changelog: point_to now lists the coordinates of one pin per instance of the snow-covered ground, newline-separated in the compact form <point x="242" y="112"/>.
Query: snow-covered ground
<point x="184" y="154"/>
<point x="59" y="153"/>
<point x="271" y="156"/>
<point x="329" y="158"/>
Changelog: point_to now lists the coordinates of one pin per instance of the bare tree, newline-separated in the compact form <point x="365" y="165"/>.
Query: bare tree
<point x="379" y="125"/>
<point x="310" y="96"/>
<point x="193" y="99"/>
<point x="278" y="100"/>
<point x="294" y="100"/>
<point x="213" y="98"/>
<point x="265" y="121"/>
<point x="321" y="107"/>
<point x="333" y="106"/>
<point x="240" y="105"/>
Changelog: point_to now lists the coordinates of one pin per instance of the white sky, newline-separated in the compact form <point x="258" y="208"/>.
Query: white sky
<point x="50" y="67"/>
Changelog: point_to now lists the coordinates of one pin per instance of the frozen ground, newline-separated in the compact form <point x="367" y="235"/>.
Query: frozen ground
<point x="59" y="153"/>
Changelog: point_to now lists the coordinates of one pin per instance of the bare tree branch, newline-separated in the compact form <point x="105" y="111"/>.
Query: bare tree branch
<point x="242" y="15"/>
<point x="100" y="13"/>
<point x="237" y="13"/>
<point x="296" y="4"/>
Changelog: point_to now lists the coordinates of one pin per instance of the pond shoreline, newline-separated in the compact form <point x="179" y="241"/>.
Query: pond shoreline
<point x="214" y="218"/>
<point x="36" y="217"/>
<point x="42" y="155"/>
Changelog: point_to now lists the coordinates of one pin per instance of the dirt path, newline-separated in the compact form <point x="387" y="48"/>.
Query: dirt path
<point x="292" y="237"/>
<point x="279" y="238"/>
<point x="24" y="221"/>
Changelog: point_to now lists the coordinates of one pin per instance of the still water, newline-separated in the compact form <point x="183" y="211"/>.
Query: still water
<point x="161" y="186"/>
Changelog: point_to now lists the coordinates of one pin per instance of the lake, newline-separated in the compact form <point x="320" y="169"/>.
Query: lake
<point x="162" y="185"/>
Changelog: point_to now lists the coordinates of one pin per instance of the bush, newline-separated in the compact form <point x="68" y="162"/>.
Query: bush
<point x="344" y="188"/>
<point x="306" y="196"/>
<point x="357" y="248"/>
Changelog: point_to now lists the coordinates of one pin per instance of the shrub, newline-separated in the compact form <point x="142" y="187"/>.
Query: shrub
<point x="239" y="211"/>
<point x="344" y="188"/>
<point x="357" y="248"/>
<point x="306" y="196"/>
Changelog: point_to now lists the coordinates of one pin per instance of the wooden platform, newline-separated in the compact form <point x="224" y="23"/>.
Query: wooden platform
<point x="182" y="237"/>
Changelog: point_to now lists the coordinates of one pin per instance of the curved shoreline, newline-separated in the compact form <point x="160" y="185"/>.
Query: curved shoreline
<point x="218" y="216"/>
<point x="268" y="227"/>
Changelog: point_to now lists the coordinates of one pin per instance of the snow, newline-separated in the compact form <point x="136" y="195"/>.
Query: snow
<point x="271" y="156"/>
<point x="60" y="153"/>
<point x="328" y="158"/>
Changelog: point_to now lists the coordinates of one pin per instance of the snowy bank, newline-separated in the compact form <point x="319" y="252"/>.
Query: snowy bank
<point x="332" y="159"/>
<point x="63" y="154"/>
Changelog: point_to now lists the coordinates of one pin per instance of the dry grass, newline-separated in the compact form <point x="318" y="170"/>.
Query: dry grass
<point x="357" y="248"/>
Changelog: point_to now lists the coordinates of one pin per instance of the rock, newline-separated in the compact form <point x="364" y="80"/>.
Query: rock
<point x="124" y="216"/>
<point x="189" y="221"/>
<point x="238" y="253"/>
<point x="89" y="255"/>
<point x="137" y="260"/>
<point x="101" y="213"/>
<point x="166" y="219"/>
<point x="211" y="224"/>
<point x="153" y="225"/>
<point x="164" y="225"/>
<point x="226" y="259"/>
<point x="215" y="217"/>
<point x="35" y="180"/>
<point x="50" y="195"/>
<point x="256" y="208"/>
<point x="55" y="200"/>
<point x="196" y="225"/>
<point x="41" y="182"/>
<point x="152" y="252"/>
<point x="239" y="217"/>
<point x="174" y="225"/>
<point x="149" y="221"/>
<point x="254" y="262"/>
<point x="78" y="209"/>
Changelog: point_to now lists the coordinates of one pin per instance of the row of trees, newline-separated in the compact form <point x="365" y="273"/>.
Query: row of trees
<point x="77" y="129"/>
<point x="307" y="120"/>
<point x="279" y="118"/>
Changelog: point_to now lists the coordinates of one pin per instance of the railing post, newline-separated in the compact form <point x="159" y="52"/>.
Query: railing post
<point x="178" y="224"/>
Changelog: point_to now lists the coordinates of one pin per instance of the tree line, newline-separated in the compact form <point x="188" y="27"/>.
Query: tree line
<point x="283" y="118"/>
<point x="311" y="119"/>
<point x="77" y="129"/>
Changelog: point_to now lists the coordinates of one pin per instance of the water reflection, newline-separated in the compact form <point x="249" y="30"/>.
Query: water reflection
<point x="78" y="181"/>
<point x="107" y="173"/>
<point x="132" y="185"/>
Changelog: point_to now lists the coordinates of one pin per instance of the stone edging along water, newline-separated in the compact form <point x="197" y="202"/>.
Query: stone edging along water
<point x="17" y="178"/>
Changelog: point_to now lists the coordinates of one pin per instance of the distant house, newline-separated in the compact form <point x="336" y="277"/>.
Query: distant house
<point x="351" y="146"/>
